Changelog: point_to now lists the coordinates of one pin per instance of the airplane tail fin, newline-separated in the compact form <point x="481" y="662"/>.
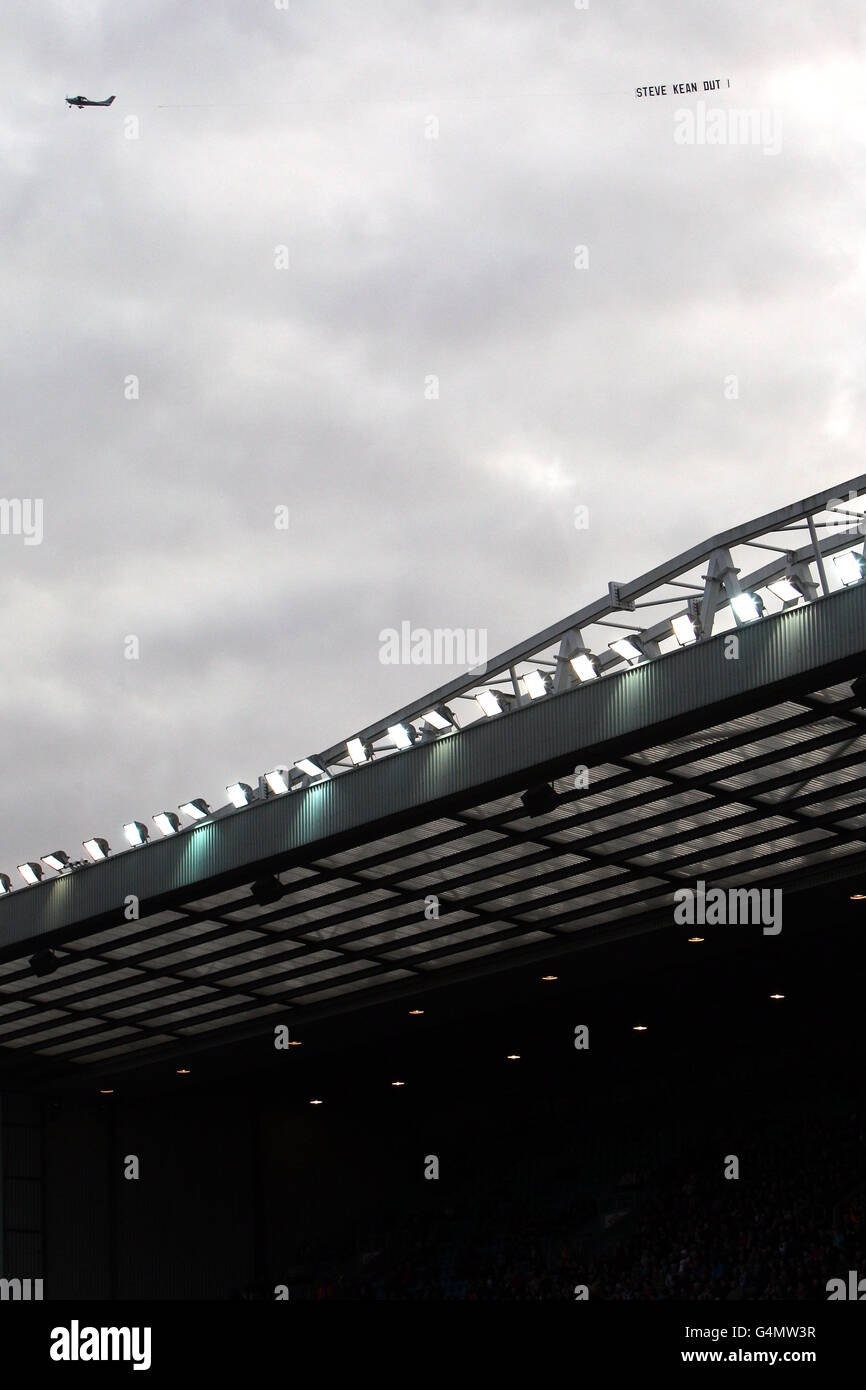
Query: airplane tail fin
<point x="110" y="100"/>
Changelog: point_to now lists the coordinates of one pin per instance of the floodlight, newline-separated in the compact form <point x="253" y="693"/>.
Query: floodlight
<point x="403" y="735"/>
<point x="746" y="607"/>
<point x="97" y="848"/>
<point x="850" y="567"/>
<point x="277" y="781"/>
<point x="584" y="667"/>
<point x="136" y="833"/>
<point x="358" y="751"/>
<point x="58" y="860"/>
<point x="786" y="589"/>
<point x="31" y="872"/>
<point x="490" y="702"/>
<point x="5" y="884"/>
<point x="167" y="822"/>
<point x="310" y="768"/>
<point x="440" y="718"/>
<point x="684" y="629"/>
<point x="537" y="683"/>
<point x="197" y="809"/>
<point x="626" y="649"/>
<point x="239" y="794"/>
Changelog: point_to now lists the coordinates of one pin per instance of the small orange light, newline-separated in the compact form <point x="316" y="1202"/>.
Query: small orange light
<point x="106" y="1093"/>
<point x="416" y="1011"/>
<point x="858" y="897"/>
<point x="777" y="996"/>
<point x="696" y="938"/>
<point x="550" y="977"/>
<point x="317" y="1102"/>
<point x="398" y="1083"/>
<point x="639" y="1028"/>
<point x="513" y="1057"/>
<point x="295" y="1042"/>
<point x="183" y="1071"/>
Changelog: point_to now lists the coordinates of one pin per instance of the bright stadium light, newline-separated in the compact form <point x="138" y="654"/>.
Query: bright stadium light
<point x="786" y="589"/>
<point x="490" y="702"/>
<point x="440" y="718"/>
<point x="277" y="781"/>
<point x="402" y="735"/>
<point x="746" y="607"/>
<point x="5" y="884"/>
<point x="537" y="683"/>
<point x="197" y="809"/>
<point x="97" y="848"/>
<point x="684" y="629"/>
<point x="239" y="794"/>
<point x="626" y="649"/>
<point x="358" y="751"/>
<point x="310" y="768"/>
<point x="850" y="567"/>
<point x="31" y="872"/>
<point x="167" y="822"/>
<point x="584" y="667"/>
<point x="136" y="832"/>
<point x="58" y="860"/>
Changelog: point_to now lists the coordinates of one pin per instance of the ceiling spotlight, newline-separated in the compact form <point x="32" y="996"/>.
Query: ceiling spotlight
<point x="358" y="751"/>
<point x="696" y="938"/>
<point x="850" y="567"/>
<point x="416" y="1011"/>
<point x="537" y="683"/>
<point x="136" y="833"/>
<point x="490" y="702"/>
<point x="5" y="883"/>
<point x="317" y="1102"/>
<point x="167" y="822"/>
<point x="513" y="1057"/>
<point x="855" y="897"/>
<point x="398" y="1083"/>
<point x="267" y="890"/>
<point x="639" y="1028"/>
<point x="550" y="977"/>
<point x="440" y="718"/>
<point x="31" y="872"/>
<point x="626" y="649"/>
<point x="747" y="607"/>
<point x="197" y="809"/>
<point x="684" y="629"/>
<point x="777" y="996"/>
<point x="584" y="667"/>
<point x="402" y="735"/>
<point x="97" y="848"/>
<point x="539" y="800"/>
<point x="788" y="590"/>
<point x="58" y="860"/>
<point x="44" y="963"/>
<point x="310" y="768"/>
<point x="183" y="1071"/>
<point x="239" y="794"/>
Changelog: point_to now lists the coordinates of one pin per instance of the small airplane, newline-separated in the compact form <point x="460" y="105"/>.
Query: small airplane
<point x="85" y="101"/>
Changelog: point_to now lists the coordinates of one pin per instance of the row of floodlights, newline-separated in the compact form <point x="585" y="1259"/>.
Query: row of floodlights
<point x="747" y="607"/>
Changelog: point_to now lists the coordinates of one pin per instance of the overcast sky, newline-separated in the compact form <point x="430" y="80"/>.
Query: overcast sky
<point x="413" y="252"/>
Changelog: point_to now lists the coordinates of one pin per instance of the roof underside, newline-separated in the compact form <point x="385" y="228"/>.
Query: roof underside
<point x="749" y="781"/>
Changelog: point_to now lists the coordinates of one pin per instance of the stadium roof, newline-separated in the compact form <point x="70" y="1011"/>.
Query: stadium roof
<point x="737" y="758"/>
